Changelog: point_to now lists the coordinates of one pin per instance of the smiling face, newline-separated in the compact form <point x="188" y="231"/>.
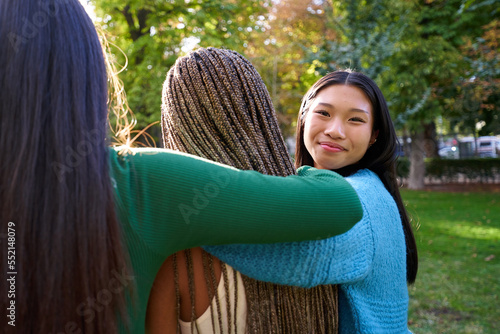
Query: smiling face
<point x="338" y="128"/>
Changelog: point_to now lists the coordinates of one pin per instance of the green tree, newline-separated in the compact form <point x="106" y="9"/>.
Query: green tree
<point x="293" y="28"/>
<point x="306" y="39"/>
<point x="431" y="61"/>
<point x="476" y="100"/>
<point x="153" y="34"/>
<point x="412" y="49"/>
<point x="366" y="36"/>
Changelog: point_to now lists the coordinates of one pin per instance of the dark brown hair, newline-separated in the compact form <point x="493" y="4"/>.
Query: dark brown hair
<point x="380" y="157"/>
<point x="55" y="187"/>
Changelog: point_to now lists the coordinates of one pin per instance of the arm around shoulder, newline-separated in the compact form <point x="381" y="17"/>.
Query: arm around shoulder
<point x="176" y="201"/>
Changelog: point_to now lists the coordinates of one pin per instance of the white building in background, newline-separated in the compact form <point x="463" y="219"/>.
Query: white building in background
<point x="485" y="147"/>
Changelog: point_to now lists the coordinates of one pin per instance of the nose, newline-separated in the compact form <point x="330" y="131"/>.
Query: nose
<point x="335" y="129"/>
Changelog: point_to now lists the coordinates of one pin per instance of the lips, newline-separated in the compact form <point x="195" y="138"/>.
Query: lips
<point x="332" y="147"/>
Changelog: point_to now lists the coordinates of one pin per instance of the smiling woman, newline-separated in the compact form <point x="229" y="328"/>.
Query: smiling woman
<point x="338" y="129"/>
<point x="344" y="125"/>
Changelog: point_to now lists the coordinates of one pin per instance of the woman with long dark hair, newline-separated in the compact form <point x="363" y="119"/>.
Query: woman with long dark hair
<point x="380" y="157"/>
<point x="87" y="226"/>
<point x="344" y="125"/>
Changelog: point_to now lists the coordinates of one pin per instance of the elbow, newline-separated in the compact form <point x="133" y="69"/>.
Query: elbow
<point x="358" y="212"/>
<point x="355" y="214"/>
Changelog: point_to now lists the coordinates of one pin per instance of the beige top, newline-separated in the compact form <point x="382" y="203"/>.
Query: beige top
<point x="203" y="325"/>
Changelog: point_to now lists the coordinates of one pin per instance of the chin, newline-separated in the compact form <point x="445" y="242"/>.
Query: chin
<point x="331" y="166"/>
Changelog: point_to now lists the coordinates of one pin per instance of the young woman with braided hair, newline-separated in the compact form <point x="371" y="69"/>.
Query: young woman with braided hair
<point x="85" y="227"/>
<point x="344" y="125"/>
<point x="216" y="105"/>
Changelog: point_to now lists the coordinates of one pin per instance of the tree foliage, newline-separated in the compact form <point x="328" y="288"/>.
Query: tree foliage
<point x="430" y="57"/>
<point x="153" y="34"/>
<point x="477" y="99"/>
<point x="293" y="28"/>
<point x="367" y="34"/>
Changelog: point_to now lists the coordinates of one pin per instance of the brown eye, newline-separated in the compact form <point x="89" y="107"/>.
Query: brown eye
<point x="322" y="113"/>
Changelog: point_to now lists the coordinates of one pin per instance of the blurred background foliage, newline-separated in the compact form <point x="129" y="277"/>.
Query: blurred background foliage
<point x="436" y="61"/>
<point x="433" y="59"/>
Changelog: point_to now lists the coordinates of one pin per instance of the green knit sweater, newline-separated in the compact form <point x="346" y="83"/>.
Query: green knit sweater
<point x="169" y="201"/>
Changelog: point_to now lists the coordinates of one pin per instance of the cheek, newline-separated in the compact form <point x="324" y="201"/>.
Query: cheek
<point x="364" y="143"/>
<point x="307" y="134"/>
<point x="363" y="135"/>
<point x="309" y="126"/>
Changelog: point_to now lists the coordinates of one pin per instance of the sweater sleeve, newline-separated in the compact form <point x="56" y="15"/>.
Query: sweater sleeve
<point x="173" y="201"/>
<point x="346" y="258"/>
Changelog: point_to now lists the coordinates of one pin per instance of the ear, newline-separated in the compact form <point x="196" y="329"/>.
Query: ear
<point x="373" y="138"/>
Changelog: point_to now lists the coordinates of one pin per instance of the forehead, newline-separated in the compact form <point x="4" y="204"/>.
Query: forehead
<point x="343" y="95"/>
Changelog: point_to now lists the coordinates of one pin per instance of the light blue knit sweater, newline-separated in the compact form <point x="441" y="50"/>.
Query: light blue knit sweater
<point x="368" y="261"/>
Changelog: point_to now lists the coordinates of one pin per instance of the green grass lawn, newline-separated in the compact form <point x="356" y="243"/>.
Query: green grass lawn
<point x="458" y="284"/>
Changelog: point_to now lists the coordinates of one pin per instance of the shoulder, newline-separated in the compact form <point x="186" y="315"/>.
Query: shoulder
<point x="121" y="156"/>
<point x="365" y="181"/>
<point x="371" y="191"/>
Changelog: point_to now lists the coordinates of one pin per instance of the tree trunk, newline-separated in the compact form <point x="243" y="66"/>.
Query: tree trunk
<point x="430" y="139"/>
<point x="406" y="143"/>
<point x="417" y="164"/>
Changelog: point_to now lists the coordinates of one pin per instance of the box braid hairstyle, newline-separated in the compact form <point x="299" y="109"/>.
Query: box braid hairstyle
<point x="215" y="105"/>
